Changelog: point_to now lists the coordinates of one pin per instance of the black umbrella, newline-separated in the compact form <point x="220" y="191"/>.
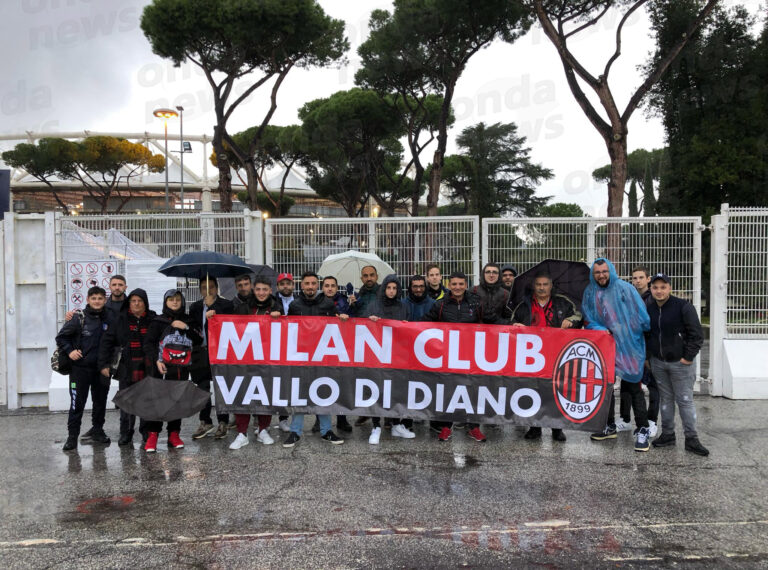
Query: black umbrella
<point x="159" y="400"/>
<point x="569" y="278"/>
<point x="202" y="264"/>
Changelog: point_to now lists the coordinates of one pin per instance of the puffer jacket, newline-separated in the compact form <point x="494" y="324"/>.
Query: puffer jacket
<point x="318" y="306"/>
<point x="94" y="324"/>
<point x="493" y="297"/>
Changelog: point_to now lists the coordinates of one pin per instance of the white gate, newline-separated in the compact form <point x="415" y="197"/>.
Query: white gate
<point x="29" y="303"/>
<point x="407" y="244"/>
<point x="739" y="303"/>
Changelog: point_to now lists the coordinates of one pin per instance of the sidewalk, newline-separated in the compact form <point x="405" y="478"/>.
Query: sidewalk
<point x="412" y="504"/>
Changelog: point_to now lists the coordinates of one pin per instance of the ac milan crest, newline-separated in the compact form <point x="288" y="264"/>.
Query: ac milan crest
<point x="579" y="381"/>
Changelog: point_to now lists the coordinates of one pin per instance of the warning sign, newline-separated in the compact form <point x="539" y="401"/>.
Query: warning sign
<point x="82" y="275"/>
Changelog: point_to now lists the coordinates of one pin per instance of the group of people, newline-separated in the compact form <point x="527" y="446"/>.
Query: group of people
<point x="657" y="338"/>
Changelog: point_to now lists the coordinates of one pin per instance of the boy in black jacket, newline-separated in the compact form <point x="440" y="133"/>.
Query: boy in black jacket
<point x="126" y="337"/>
<point x="80" y="338"/>
<point x="672" y="344"/>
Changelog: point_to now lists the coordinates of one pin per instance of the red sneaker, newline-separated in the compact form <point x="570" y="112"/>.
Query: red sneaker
<point x="174" y="440"/>
<point x="445" y="434"/>
<point x="476" y="434"/>
<point x="151" y="445"/>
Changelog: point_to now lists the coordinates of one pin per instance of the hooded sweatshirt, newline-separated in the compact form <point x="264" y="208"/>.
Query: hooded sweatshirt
<point x="493" y="297"/>
<point x="161" y="326"/>
<point x="387" y="308"/>
<point x="619" y="309"/>
<point x="128" y="334"/>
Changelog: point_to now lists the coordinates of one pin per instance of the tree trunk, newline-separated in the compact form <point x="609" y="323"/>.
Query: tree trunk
<point x="225" y="176"/>
<point x="617" y="150"/>
<point x="417" y="180"/>
<point x="439" y="158"/>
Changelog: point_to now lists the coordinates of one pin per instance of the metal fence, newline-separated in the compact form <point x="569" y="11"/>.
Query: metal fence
<point x="407" y="244"/>
<point x="671" y="245"/>
<point x="151" y="236"/>
<point x="746" y="283"/>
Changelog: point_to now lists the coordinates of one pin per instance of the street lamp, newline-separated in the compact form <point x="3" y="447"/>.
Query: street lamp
<point x="180" y="109"/>
<point x="165" y="114"/>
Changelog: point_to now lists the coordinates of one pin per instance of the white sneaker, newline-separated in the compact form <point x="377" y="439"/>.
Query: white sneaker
<point x="265" y="438"/>
<point x="653" y="429"/>
<point x="621" y="426"/>
<point x="373" y="439"/>
<point x="285" y="425"/>
<point x="399" y="430"/>
<point x="240" y="441"/>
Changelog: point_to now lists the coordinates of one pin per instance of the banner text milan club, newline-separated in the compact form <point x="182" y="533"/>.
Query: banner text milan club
<point x="421" y="370"/>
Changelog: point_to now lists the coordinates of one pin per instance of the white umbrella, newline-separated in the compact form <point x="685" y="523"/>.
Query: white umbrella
<point x="346" y="266"/>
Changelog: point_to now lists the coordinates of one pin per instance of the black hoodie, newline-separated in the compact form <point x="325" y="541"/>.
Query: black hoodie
<point x="87" y="339"/>
<point x="387" y="308"/>
<point x="493" y="297"/>
<point x="127" y="333"/>
<point x="160" y="327"/>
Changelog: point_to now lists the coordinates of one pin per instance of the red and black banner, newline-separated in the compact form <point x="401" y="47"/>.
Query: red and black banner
<point x="432" y="371"/>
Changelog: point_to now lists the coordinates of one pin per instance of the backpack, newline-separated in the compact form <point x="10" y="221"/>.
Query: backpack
<point x="176" y="348"/>
<point x="60" y="360"/>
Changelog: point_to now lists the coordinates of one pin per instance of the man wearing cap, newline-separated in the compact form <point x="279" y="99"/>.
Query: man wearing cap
<point x="508" y="274"/>
<point x="672" y="343"/>
<point x="285" y="293"/>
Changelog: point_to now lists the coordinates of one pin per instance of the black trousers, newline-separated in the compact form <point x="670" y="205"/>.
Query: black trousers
<point x="82" y="380"/>
<point x="201" y="375"/>
<point x="625" y="404"/>
<point x="128" y="421"/>
<point x="634" y="392"/>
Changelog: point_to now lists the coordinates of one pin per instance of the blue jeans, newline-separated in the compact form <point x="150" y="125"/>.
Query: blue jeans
<point x="675" y="381"/>
<point x="297" y="424"/>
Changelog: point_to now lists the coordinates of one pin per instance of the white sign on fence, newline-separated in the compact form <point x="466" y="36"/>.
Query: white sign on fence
<point x="82" y="275"/>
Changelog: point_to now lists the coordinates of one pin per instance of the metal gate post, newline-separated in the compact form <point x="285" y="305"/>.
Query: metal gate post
<point x="484" y="252"/>
<point x="9" y="313"/>
<point x="591" y="229"/>
<point x="253" y="225"/>
<point x="3" y="359"/>
<point x="268" y="245"/>
<point x="476" y="249"/>
<point x="718" y="300"/>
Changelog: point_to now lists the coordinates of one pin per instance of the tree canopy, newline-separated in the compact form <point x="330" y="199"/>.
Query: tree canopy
<point x="99" y="163"/>
<point x="643" y="167"/>
<point x="494" y="175"/>
<point x="243" y="41"/>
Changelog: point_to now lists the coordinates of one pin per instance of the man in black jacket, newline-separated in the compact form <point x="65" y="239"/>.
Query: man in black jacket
<point x="80" y="338"/>
<point x="543" y="309"/>
<point x="672" y="344"/>
<point x="199" y="313"/>
<point x="125" y="337"/>
<point x="311" y="304"/>
<point x="458" y="307"/>
<point x="641" y="280"/>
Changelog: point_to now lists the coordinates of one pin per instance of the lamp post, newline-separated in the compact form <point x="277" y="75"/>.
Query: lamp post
<point x="165" y="114"/>
<point x="180" y="109"/>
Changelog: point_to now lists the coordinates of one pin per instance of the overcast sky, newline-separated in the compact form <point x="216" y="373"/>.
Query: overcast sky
<point x="85" y="64"/>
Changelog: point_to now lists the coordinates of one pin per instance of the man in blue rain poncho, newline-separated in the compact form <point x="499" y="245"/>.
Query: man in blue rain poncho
<point x="613" y="305"/>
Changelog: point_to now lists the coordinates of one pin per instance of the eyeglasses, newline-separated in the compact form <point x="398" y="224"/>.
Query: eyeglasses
<point x="491" y="272"/>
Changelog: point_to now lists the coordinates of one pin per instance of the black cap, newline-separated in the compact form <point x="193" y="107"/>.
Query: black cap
<point x="663" y="276"/>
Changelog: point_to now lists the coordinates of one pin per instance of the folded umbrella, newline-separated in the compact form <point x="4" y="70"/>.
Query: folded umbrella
<point x="159" y="400"/>
<point x="569" y="278"/>
<point x="346" y="266"/>
<point x="202" y="264"/>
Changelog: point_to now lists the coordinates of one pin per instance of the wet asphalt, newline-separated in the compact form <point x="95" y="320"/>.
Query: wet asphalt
<point x="403" y="504"/>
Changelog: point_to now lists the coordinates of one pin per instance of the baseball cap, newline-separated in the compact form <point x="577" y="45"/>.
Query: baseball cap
<point x="663" y="276"/>
<point x="282" y="276"/>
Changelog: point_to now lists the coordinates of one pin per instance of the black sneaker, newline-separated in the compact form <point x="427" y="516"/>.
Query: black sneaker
<point x="693" y="444"/>
<point x="343" y="426"/>
<point x="331" y="437"/>
<point x="71" y="443"/>
<point x="558" y="435"/>
<point x="664" y="440"/>
<point x="641" y="440"/>
<point x="608" y="433"/>
<point x="316" y="427"/>
<point x="125" y="439"/>
<point x="100" y="437"/>
<point x="292" y="439"/>
<point x="533" y="433"/>
<point x="361" y="421"/>
<point x="88" y="435"/>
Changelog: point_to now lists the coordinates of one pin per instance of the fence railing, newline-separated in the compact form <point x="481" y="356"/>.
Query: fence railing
<point x="407" y="244"/>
